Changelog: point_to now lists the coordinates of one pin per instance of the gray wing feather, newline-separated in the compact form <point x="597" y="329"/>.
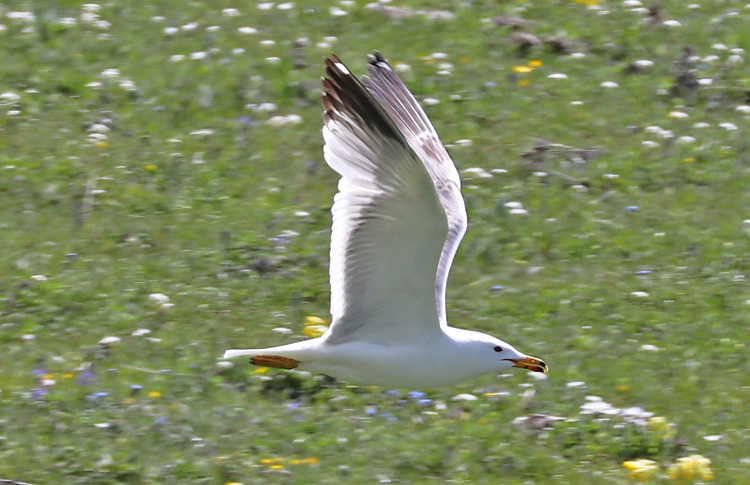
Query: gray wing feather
<point x="410" y="119"/>
<point x="389" y="223"/>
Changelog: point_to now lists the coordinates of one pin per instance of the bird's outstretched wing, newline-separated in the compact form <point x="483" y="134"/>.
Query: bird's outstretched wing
<point x="398" y="217"/>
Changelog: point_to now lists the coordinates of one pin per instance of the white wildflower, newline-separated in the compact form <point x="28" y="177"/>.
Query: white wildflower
<point x="643" y="64"/>
<point x="110" y="73"/>
<point x="735" y="60"/>
<point x="8" y="98"/>
<point x="127" y="85"/>
<point x="107" y="341"/>
<point x="518" y="212"/>
<point x="160" y="298"/>
<point x="401" y="67"/>
<point x="99" y="127"/>
<point x="24" y="16"/>
<point x="281" y="120"/>
<point x="477" y="172"/>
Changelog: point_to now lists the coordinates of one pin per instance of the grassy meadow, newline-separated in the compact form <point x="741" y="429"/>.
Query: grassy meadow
<point x="164" y="197"/>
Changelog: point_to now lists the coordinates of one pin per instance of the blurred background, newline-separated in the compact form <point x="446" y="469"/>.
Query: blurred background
<point x="164" y="198"/>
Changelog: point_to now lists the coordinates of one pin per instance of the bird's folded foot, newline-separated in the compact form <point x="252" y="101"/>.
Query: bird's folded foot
<point x="274" y="361"/>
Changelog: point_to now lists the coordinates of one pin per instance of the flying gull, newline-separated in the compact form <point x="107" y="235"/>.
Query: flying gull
<point x="398" y="219"/>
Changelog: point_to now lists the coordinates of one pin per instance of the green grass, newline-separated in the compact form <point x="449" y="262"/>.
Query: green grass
<point x="190" y="216"/>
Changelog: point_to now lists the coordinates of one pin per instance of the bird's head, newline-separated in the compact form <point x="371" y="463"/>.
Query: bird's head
<point x="502" y="355"/>
<point x="510" y="357"/>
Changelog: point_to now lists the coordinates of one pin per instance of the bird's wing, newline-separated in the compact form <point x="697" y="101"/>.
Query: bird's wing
<point x="398" y="217"/>
<point x="393" y="95"/>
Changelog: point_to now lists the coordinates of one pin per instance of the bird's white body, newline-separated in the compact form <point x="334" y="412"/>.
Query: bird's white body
<point x="398" y="219"/>
<point x="435" y="360"/>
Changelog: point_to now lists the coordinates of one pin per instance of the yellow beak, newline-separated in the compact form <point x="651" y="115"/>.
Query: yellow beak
<point x="530" y="363"/>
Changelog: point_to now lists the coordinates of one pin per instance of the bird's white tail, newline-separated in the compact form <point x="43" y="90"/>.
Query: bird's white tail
<point x="232" y="353"/>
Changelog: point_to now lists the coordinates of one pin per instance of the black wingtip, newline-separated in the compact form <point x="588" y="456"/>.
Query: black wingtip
<point x="376" y="59"/>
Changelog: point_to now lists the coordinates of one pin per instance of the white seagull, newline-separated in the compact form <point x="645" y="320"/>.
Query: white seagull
<point x="398" y="219"/>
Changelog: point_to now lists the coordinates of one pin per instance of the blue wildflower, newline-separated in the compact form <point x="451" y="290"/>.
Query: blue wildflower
<point x="97" y="396"/>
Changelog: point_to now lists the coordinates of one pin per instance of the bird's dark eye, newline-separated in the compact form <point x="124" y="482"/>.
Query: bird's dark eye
<point x="498" y="349"/>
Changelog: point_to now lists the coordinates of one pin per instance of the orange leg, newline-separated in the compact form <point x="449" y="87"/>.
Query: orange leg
<point x="274" y="361"/>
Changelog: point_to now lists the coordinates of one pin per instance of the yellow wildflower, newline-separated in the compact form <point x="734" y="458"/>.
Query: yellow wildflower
<point x="689" y="160"/>
<point x="154" y="394"/>
<point x="234" y="483"/>
<point x="641" y="469"/>
<point x="315" y="326"/>
<point x="150" y="168"/>
<point x="260" y="370"/>
<point x="660" y="425"/>
<point x="276" y="467"/>
<point x="68" y="376"/>
<point x="313" y="320"/>
<point x="523" y="83"/>
<point x="102" y="144"/>
<point x="690" y="468"/>
<point x="48" y="377"/>
<point x="534" y="63"/>
<point x="271" y="461"/>
<point x="311" y="461"/>
<point x="522" y="69"/>
<point x="622" y="388"/>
